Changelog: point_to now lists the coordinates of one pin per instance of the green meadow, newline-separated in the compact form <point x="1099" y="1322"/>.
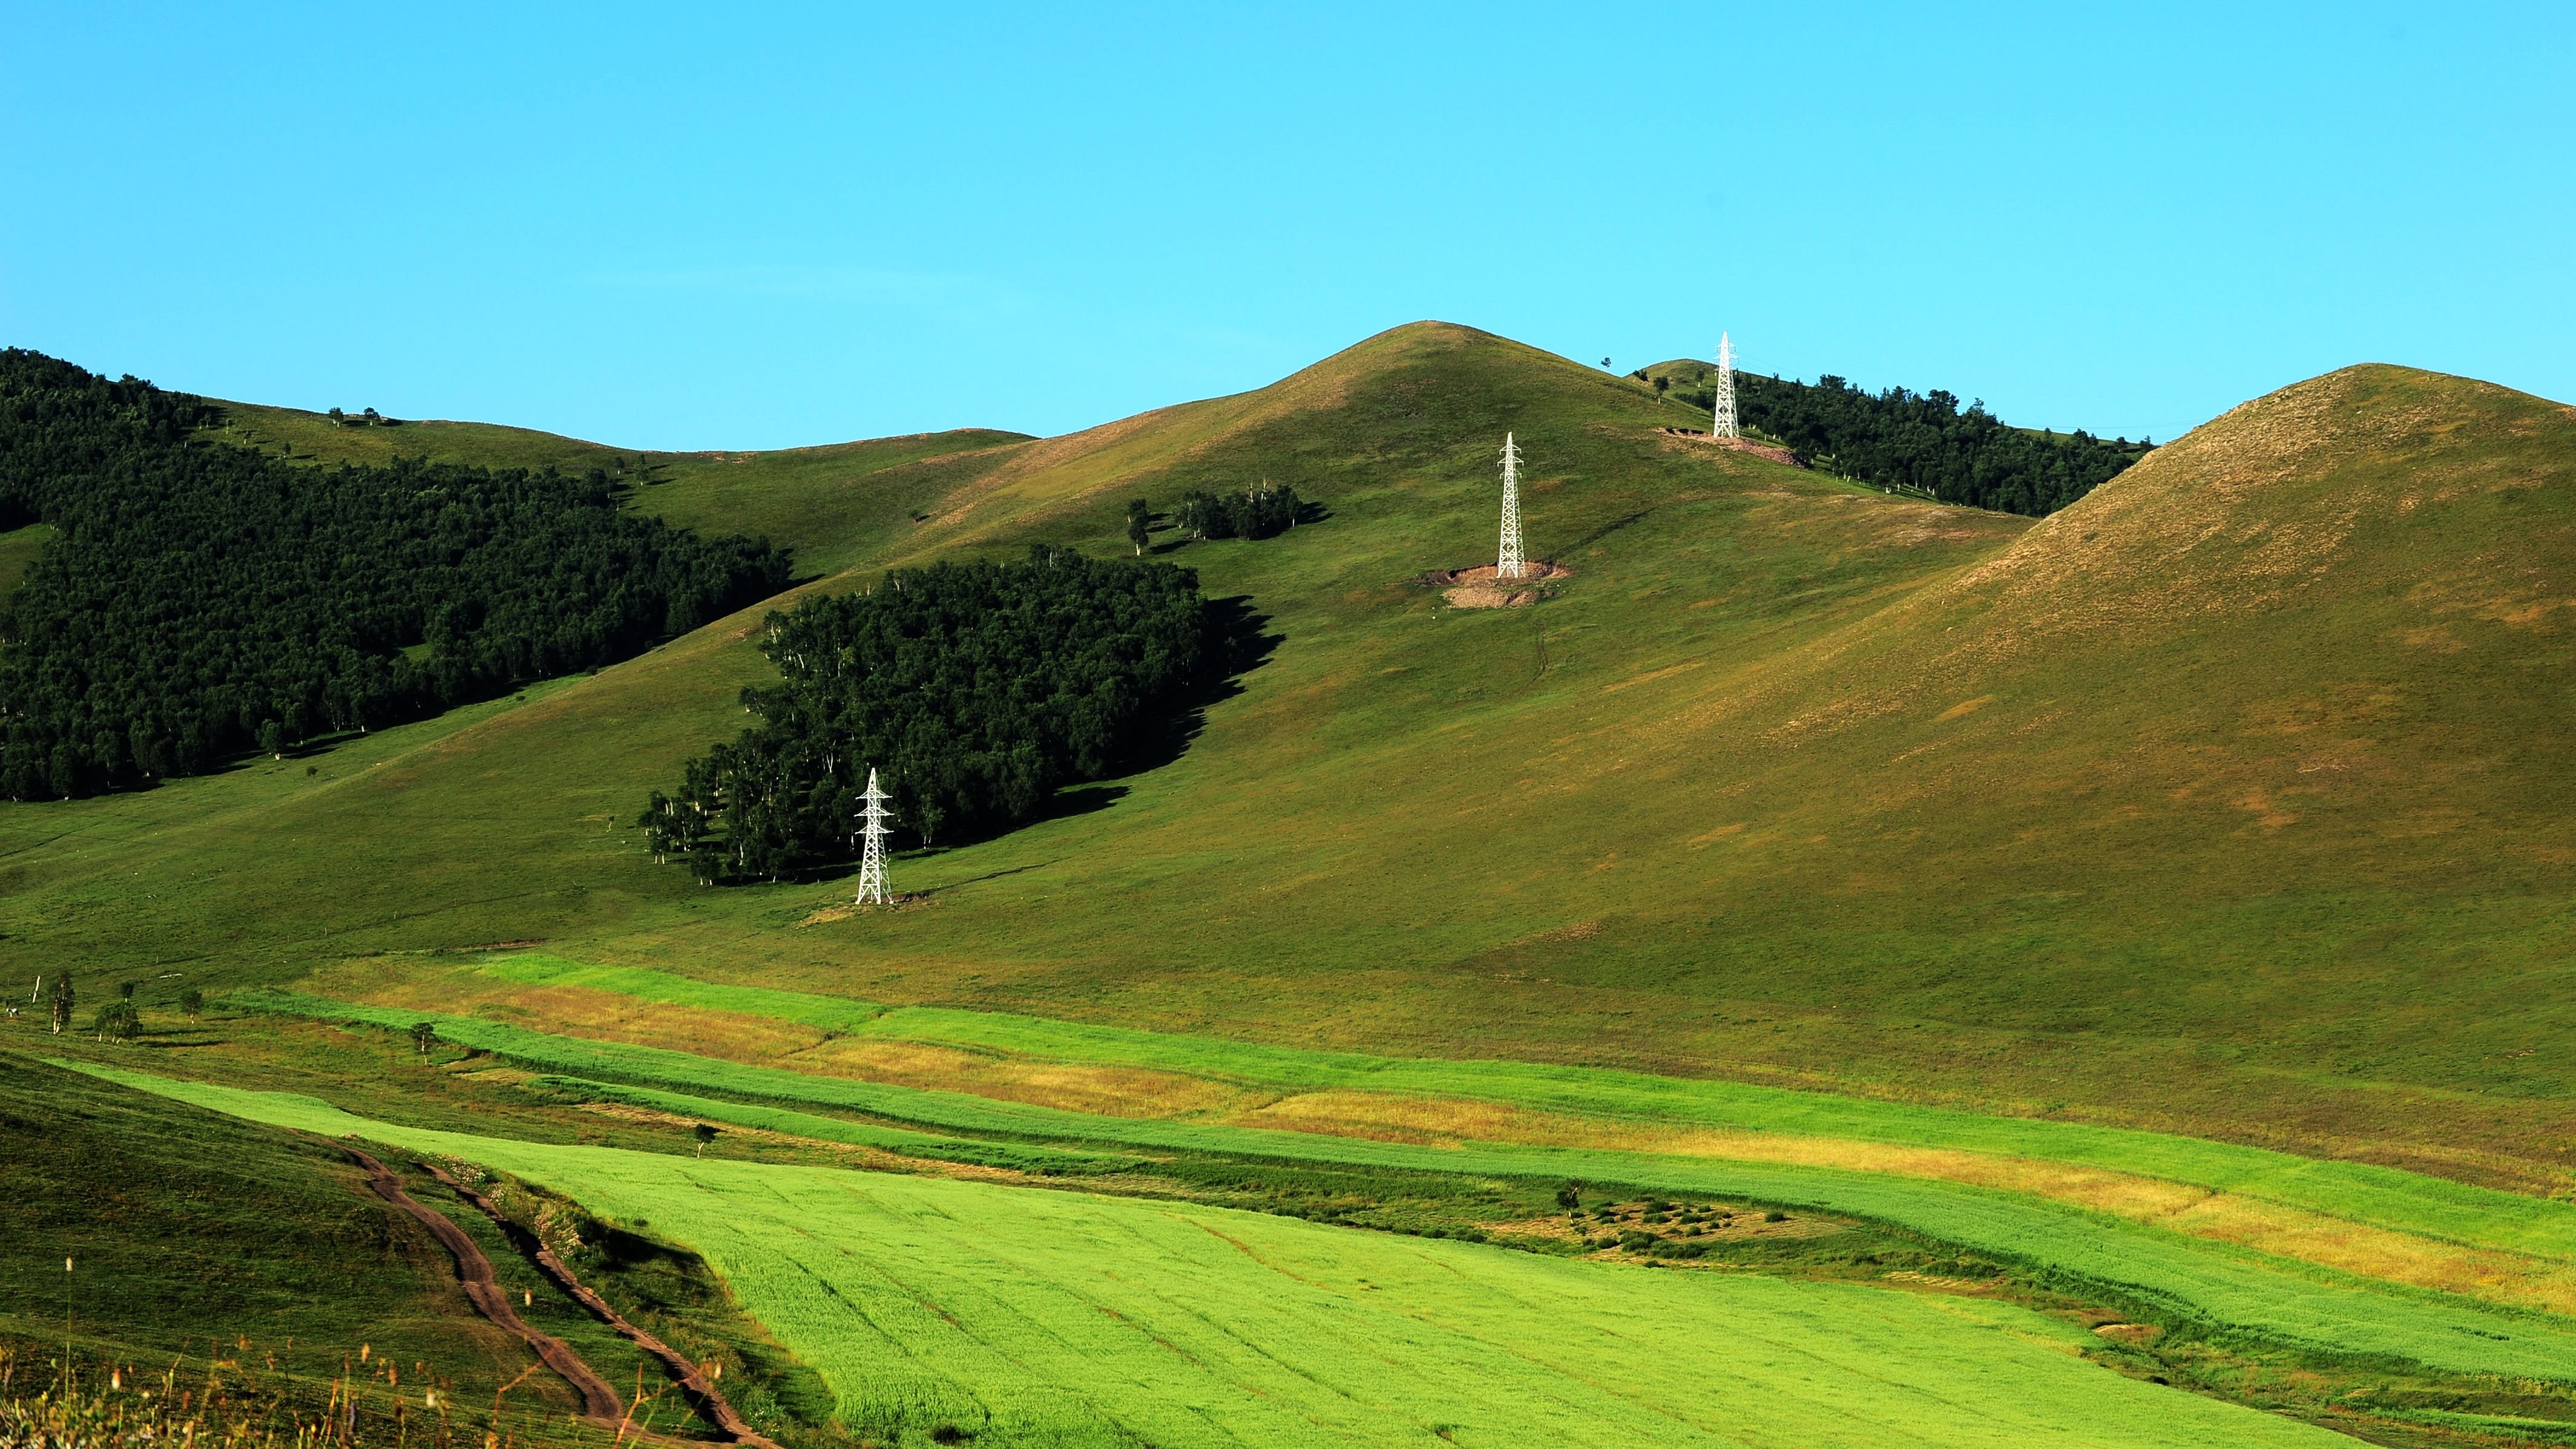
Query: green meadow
<point x="2355" y="1192"/>
<point x="1058" y="1319"/>
<point x="2224" y="1289"/>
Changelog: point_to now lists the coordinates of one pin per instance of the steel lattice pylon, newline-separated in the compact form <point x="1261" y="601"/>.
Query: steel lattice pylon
<point x="872" y="830"/>
<point x="1722" y="423"/>
<point x="1509" y="566"/>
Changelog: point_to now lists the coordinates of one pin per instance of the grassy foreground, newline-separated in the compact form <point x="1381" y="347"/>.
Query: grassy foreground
<point x="148" y="1239"/>
<point x="2221" y="1288"/>
<point x="1034" y="1318"/>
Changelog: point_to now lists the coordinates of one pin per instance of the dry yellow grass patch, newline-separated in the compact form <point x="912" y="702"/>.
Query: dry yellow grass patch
<point x="2381" y="1253"/>
<point x="1111" y="1091"/>
<point x="2512" y="1278"/>
<point x="1652" y="675"/>
<point x="577" y="1010"/>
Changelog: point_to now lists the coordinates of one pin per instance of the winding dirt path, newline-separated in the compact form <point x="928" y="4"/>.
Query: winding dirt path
<point x="599" y="1402"/>
<point x="701" y="1392"/>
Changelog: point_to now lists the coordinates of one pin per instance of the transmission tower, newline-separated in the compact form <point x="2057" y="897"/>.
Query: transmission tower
<point x="1510" y="565"/>
<point x="1722" y="423"/>
<point x="872" y="831"/>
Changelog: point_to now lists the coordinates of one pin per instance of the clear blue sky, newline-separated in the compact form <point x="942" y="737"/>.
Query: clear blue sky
<point x="746" y="226"/>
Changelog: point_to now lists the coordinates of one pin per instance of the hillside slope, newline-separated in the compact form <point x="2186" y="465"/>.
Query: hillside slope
<point x="2231" y="797"/>
<point x="824" y="502"/>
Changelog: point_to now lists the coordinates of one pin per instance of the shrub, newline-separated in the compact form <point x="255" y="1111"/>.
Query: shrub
<point x="1262" y="511"/>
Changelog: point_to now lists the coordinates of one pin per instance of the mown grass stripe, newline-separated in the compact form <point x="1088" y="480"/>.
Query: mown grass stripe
<point x="2383" y="1197"/>
<point x="1064" y="1319"/>
<point x="2227" y="1288"/>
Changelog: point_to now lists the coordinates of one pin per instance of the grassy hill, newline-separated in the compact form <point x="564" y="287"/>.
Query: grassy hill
<point x="827" y="502"/>
<point x="2229" y="802"/>
<point x="2231" y="798"/>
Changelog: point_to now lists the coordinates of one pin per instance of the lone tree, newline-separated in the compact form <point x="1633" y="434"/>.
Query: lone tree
<point x="424" y="1035"/>
<point x="1140" y="523"/>
<point x="192" y="1001"/>
<point x="125" y="991"/>
<point x="705" y="1134"/>
<point x="62" y="1003"/>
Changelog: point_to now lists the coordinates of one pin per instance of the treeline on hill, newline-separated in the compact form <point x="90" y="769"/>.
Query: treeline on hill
<point x="974" y="690"/>
<point x="1925" y="442"/>
<point x="202" y="599"/>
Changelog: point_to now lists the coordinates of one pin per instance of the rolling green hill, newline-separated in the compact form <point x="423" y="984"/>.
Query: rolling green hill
<point x="826" y="502"/>
<point x="2230" y="796"/>
<point x="2229" y="802"/>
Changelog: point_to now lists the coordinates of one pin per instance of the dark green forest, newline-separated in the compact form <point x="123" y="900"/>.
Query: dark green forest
<point x="974" y="690"/>
<point x="203" y="600"/>
<point x="1922" y="441"/>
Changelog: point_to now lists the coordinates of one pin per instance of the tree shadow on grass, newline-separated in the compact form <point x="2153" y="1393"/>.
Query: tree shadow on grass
<point x="1237" y="643"/>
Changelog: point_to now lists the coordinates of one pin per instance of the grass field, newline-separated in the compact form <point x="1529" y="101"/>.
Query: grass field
<point x="2376" y="1222"/>
<point x="2222" y="1287"/>
<point x="1060" y="1319"/>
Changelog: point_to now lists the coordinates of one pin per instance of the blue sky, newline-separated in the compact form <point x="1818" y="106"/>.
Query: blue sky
<point x="716" y="226"/>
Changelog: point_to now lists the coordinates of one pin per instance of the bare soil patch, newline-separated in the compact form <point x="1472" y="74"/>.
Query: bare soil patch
<point x="1738" y="445"/>
<point x="1483" y="587"/>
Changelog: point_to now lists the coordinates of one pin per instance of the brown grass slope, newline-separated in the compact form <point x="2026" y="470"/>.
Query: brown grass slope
<point x="2232" y="797"/>
<point x="2238" y="791"/>
<point x="2236" y="796"/>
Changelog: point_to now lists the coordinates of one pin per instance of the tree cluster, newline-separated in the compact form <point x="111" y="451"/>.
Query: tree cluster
<point x="1265" y="509"/>
<point x="1927" y="443"/>
<point x="973" y="689"/>
<point x="202" y="599"/>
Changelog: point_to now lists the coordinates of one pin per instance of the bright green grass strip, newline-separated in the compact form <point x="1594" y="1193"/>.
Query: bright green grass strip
<point x="1056" y="1318"/>
<point x="823" y="1013"/>
<point x="2382" y="1197"/>
<point x="1017" y="1156"/>
<point x="2228" y="1288"/>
